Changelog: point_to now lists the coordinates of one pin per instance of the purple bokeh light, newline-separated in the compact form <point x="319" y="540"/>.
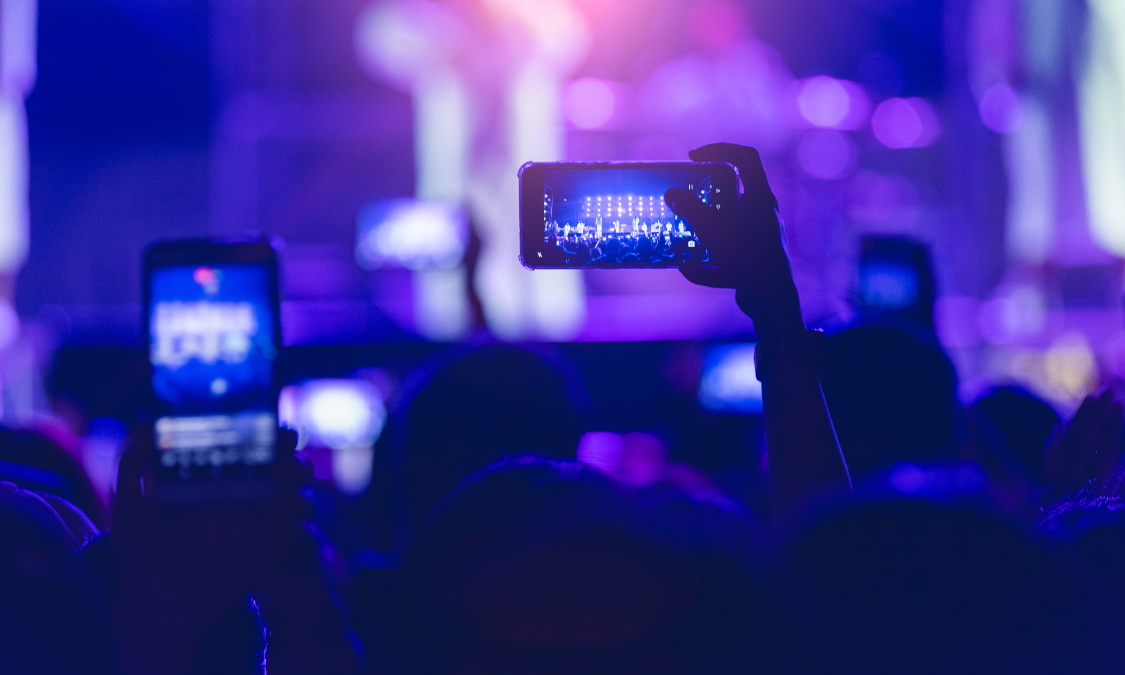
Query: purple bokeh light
<point x="1001" y="109"/>
<point x="826" y="154"/>
<point x="714" y="24"/>
<point x="742" y="93"/>
<point x="823" y="101"/>
<point x="589" y="103"/>
<point x="905" y="123"/>
<point x="829" y="103"/>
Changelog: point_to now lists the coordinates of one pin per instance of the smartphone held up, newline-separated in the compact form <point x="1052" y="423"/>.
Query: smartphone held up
<point x="212" y="325"/>
<point x="613" y="215"/>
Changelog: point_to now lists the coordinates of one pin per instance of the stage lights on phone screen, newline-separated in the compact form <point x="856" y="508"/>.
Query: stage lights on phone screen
<point x="617" y="216"/>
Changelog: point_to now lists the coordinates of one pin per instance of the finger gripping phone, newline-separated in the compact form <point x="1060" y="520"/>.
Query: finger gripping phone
<point x="613" y="214"/>
<point x="212" y="325"/>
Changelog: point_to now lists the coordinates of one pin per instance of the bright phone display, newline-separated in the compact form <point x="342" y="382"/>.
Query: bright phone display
<point x="895" y="276"/>
<point x="212" y="324"/>
<point x="613" y="214"/>
<point x="888" y="285"/>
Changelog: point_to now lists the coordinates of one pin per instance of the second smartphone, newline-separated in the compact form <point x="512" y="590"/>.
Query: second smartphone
<point x="613" y="215"/>
<point x="213" y="328"/>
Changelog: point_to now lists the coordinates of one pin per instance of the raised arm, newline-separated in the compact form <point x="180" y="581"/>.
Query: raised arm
<point x="748" y="254"/>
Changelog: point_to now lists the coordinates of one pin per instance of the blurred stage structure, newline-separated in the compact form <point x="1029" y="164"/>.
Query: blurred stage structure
<point x="990" y="129"/>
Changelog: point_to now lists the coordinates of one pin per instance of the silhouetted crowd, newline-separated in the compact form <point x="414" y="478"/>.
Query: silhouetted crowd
<point x="636" y="247"/>
<point x="905" y="531"/>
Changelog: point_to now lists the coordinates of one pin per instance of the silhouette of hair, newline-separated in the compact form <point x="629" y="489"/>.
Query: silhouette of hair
<point x="1016" y="425"/>
<point x="893" y="399"/>
<point x="51" y="620"/>
<point x="550" y="567"/>
<point x="465" y="412"/>
<point x="34" y="461"/>
<point x="908" y="585"/>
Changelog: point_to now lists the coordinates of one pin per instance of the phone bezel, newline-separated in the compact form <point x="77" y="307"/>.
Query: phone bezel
<point x="257" y="251"/>
<point x="531" y="214"/>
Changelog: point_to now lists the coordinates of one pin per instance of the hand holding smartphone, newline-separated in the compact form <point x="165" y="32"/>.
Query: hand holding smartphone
<point x="612" y="214"/>
<point x="747" y="243"/>
<point x="212" y="324"/>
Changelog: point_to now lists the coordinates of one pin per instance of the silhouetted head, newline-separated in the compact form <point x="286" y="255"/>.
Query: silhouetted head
<point x="914" y="586"/>
<point x="51" y="620"/>
<point x="1016" y="425"/>
<point x="35" y="461"/>
<point x="474" y="409"/>
<point x="537" y="566"/>
<point x="893" y="399"/>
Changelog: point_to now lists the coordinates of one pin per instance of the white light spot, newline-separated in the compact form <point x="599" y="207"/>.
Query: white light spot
<point x="589" y="103"/>
<point x="824" y="102"/>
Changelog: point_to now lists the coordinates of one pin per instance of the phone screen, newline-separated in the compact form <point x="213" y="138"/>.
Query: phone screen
<point x="213" y="345"/>
<point x="895" y="276"/>
<point x="888" y="285"/>
<point x="615" y="215"/>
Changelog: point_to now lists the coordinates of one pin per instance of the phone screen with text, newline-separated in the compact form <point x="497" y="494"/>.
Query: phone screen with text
<point x="212" y="350"/>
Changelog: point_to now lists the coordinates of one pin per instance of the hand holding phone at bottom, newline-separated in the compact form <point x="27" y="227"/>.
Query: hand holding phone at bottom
<point x="186" y="571"/>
